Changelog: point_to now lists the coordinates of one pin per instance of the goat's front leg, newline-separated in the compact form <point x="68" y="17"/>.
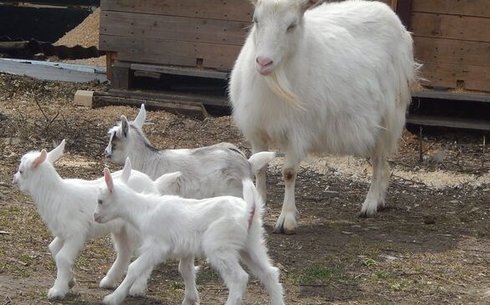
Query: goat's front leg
<point x="64" y="259"/>
<point x="260" y="176"/>
<point x="188" y="272"/>
<point x="286" y="223"/>
<point x="152" y="256"/>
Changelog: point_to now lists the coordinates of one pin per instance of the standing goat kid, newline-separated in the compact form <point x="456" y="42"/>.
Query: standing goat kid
<point x="224" y="229"/>
<point x="331" y="79"/>
<point x="206" y="172"/>
<point x="66" y="206"/>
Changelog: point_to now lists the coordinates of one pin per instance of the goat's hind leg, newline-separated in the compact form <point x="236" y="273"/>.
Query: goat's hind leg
<point x="235" y="278"/>
<point x="287" y="223"/>
<point x="379" y="183"/>
<point x="258" y="261"/>
<point x="124" y="248"/>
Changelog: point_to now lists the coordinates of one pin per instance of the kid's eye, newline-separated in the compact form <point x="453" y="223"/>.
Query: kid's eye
<point x="21" y="172"/>
<point x="99" y="202"/>
<point x="291" y="27"/>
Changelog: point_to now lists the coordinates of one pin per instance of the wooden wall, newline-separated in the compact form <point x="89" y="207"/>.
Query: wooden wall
<point x="452" y="41"/>
<point x="189" y="33"/>
<point x="206" y="34"/>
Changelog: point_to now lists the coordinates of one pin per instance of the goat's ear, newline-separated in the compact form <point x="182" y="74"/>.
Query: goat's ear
<point x="57" y="152"/>
<point x="124" y="125"/>
<point x="168" y="184"/>
<point x="308" y="4"/>
<point x="126" y="172"/>
<point x="254" y="2"/>
<point x="108" y="180"/>
<point x="40" y="159"/>
<point x="141" y="117"/>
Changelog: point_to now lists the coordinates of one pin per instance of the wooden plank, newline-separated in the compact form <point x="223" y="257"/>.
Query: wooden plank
<point x="452" y="51"/>
<point x="180" y="71"/>
<point x="171" y="96"/>
<point x="193" y="109"/>
<point x="477" y="8"/>
<point x="449" y="122"/>
<point x="239" y="10"/>
<point x="166" y="52"/>
<point x="450" y="26"/>
<point x="173" y="28"/>
<point x="461" y="76"/>
<point x="453" y="95"/>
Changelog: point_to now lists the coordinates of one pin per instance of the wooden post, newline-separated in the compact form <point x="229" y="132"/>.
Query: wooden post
<point x="122" y="75"/>
<point x="404" y="11"/>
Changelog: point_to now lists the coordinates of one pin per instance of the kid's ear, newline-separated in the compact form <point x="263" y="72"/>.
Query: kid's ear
<point x="124" y="125"/>
<point x="42" y="157"/>
<point x="308" y="4"/>
<point x="57" y="152"/>
<point x="108" y="180"/>
<point x="141" y="117"/>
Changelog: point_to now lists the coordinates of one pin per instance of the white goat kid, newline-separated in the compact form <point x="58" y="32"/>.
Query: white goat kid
<point x="224" y="229"/>
<point x="66" y="206"/>
<point x="331" y="79"/>
<point x="206" y="172"/>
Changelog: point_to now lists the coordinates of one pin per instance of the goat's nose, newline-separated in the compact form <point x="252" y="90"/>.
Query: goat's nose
<point x="263" y="61"/>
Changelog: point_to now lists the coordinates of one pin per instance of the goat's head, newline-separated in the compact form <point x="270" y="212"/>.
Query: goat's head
<point x="276" y="29"/>
<point x="30" y="164"/>
<point x="107" y="205"/>
<point x="119" y="139"/>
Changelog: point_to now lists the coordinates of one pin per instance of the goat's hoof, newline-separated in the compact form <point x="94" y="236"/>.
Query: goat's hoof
<point x="72" y="283"/>
<point x="56" y="294"/>
<point x="190" y="302"/>
<point x="112" y="299"/>
<point x="366" y="214"/>
<point x="137" y="291"/>
<point x="281" y="229"/>
<point x="286" y="225"/>
<point x="107" y="283"/>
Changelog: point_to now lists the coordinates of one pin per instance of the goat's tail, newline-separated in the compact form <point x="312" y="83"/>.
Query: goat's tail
<point x="255" y="203"/>
<point x="260" y="160"/>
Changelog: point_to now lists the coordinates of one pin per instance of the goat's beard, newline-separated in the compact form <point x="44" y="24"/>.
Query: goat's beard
<point x="279" y="84"/>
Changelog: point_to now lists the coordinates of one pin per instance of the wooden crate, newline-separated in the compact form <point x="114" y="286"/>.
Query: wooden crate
<point x="452" y="41"/>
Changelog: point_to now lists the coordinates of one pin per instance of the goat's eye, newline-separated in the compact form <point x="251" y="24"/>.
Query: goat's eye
<point x="21" y="172"/>
<point x="291" y="27"/>
<point x="99" y="202"/>
<point x="255" y="21"/>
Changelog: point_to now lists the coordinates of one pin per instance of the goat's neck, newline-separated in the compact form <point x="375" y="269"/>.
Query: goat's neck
<point x="134" y="209"/>
<point x="148" y="160"/>
<point x="46" y="192"/>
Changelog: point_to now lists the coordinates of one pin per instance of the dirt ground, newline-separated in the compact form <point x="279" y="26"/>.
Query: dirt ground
<point x="430" y="246"/>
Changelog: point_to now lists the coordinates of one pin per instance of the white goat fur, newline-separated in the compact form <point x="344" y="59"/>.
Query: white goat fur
<point x="224" y="229"/>
<point x="206" y="172"/>
<point x="336" y="80"/>
<point x="66" y="206"/>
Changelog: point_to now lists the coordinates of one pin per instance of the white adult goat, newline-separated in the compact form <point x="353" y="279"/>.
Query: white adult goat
<point x="206" y="172"/>
<point x="332" y="79"/>
<point x="66" y="206"/>
<point x="224" y="229"/>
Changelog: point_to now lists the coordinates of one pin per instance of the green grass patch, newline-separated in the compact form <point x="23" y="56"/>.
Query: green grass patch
<point x="318" y="274"/>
